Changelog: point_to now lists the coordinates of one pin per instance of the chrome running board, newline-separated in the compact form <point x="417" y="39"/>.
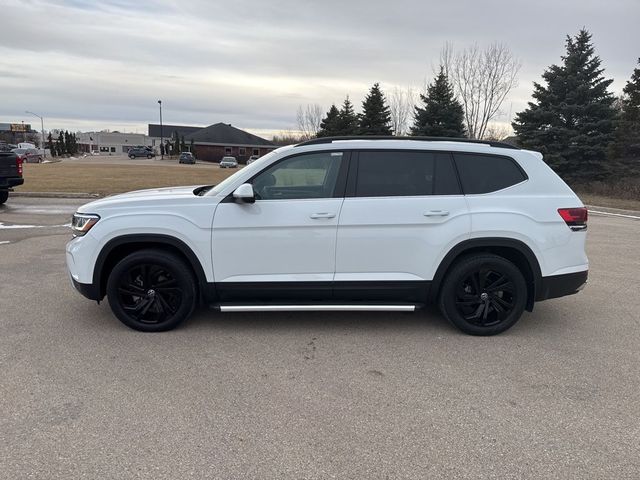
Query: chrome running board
<point x="316" y="308"/>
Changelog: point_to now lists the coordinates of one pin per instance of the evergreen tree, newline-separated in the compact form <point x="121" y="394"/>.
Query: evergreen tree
<point x="441" y="114"/>
<point x="50" y="145"/>
<point x="347" y="123"/>
<point x="175" y="147"/>
<point x="191" y="149"/>
<point x="183" y="146"/>
<point x="329" y="126"/>
<point x="375" y="118"/>
<point x="60" y="146"/>
<point x="67" y="142"/>
<point x="571" y="121"/>
<point x="625" y="149"/>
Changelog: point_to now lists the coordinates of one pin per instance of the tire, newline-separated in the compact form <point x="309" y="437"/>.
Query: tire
<point x="151" y="291"/>
<point x="483" y="294"/>
<point x="4" y="196"/>
<point x="132" y="157"/>
<point x="149" y="156"/>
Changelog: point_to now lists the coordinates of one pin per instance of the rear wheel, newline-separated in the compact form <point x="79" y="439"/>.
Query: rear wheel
<point x="149" y="156"/>
<point x="483" y="294"/>
<point x="4" y="195"/>
<point x="132" y="156"/>
<point x="151" y="291"/>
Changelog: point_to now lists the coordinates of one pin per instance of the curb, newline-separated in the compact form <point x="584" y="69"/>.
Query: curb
<point x="55" y="194"/>
<point x="614" y="211"/>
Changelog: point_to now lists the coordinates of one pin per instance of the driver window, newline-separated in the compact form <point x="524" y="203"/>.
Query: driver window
<point x="311" y="175"/>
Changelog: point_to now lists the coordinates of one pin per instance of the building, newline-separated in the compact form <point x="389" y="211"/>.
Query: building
<point x="110" y="143"/>
<point x="215" y="141"/>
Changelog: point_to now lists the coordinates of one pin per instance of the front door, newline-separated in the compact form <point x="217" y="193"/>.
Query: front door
<point x="283" y="246"/>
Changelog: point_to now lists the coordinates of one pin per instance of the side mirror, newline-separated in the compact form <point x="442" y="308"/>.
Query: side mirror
<point x="244" y="194"/>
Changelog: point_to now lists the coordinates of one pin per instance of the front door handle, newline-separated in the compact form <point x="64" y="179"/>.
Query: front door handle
<point x="436" y="213"/>
<point x="315" y="216"/>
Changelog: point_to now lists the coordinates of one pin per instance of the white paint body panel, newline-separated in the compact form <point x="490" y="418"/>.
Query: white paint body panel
<point x="275" y="241"/>
<point x="385" y="238"/>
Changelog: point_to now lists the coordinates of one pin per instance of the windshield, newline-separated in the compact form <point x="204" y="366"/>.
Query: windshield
<point x="254" y="167"/>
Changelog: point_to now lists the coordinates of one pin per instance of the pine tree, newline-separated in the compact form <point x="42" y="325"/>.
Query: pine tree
<point x="571" y="122"/>
<point x="375" y="118"/>
<point x="347" y="123"/>
<point x="329" y="126"/>
<point x="191" y="147"/>
<point x="67" y="142"/>
<point x="52" y="149"/>
<point x="441" y="114"/>
<point x="175" y="147"/>
<point x="183" y="146"/>
<point x="60" y="146"/>
<point x="625" y="149"/>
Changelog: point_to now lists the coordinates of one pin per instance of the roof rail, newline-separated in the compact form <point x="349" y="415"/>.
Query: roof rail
<point x="321" y="140"/>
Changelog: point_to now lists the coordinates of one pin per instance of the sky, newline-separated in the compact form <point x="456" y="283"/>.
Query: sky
<point x="93" y="65"/>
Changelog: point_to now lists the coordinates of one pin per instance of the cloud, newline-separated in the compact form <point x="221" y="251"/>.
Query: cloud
<point x="251" y="63"/>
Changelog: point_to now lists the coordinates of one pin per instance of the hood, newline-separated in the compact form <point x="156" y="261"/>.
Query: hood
<point x="155" y="196"/>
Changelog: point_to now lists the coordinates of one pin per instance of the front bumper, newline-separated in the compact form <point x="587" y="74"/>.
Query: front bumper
<point x="88" y="290"/>
<point x="556" y="286"/>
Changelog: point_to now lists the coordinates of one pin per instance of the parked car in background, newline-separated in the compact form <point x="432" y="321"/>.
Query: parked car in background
<point x="252" y="159"/>
<point x="28" y="155"/>
<point x="141" y="152"/>
<point x="187" y="157"/>
<point x="10" y="172"/>
<point x="228" y="162"/>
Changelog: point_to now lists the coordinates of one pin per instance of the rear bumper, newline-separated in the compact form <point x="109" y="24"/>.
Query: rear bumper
<point x="8" y="182"/>
<point x="561" y="285"/>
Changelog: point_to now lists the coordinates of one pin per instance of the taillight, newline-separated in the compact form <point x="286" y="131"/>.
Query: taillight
<point x="575" y="218"/>
<point x="19" y="164"/>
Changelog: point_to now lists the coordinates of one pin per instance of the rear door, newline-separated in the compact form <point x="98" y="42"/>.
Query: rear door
<point x="402" y="212"/>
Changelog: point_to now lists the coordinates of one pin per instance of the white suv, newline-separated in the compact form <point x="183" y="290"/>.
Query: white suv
<point x="483" y="229"/>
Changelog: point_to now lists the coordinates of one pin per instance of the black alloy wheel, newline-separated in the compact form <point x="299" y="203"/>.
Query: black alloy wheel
<point x="151" y="290"/>
<point x="483" y="294"/>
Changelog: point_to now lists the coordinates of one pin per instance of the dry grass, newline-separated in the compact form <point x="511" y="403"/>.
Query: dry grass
<point x="107" y="179"/>
<point x="623" y="193"/>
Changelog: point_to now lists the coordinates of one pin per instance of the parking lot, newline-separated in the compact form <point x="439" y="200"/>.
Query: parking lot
<point x="313" y="395"/>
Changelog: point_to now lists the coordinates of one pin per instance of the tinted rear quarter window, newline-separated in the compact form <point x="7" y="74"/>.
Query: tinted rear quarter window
<point x="405" y="173"/>
<point x="487" y="173"/>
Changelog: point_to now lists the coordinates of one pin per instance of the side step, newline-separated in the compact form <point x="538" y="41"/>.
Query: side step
<point x="228" y="307"/>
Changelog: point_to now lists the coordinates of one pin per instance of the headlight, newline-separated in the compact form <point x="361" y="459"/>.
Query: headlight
<point x="81" y="223"/>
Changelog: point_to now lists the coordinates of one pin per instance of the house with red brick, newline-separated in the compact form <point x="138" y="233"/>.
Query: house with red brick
<point x="218" y="140"/>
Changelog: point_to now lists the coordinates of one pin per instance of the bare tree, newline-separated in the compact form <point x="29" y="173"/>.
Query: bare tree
<point x="401" y="104"/>
<point x="482" y="80"/>
<point x="496" y="132"/>
<point x="308" y="119"/>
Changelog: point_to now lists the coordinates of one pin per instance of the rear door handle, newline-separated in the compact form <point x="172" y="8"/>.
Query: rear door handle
<point x="436" y="213"/>
<point x="315" y="216"/>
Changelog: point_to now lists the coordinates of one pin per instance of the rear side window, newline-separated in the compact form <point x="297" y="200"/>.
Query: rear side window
<point x="405" y="173"/>
<point x="487" y="173"/>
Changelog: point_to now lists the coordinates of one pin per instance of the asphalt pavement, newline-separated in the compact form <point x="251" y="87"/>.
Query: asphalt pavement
<point x="313" y="395"/>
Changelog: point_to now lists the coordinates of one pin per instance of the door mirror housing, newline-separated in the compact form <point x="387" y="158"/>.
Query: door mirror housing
<point x="244" y="194"/>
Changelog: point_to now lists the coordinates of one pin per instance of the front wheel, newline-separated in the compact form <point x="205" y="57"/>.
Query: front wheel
<point x="151" y="291"/>
<point x="483" y="294"/>
<point x="149" y="156"/>
<point x="132" y="157"/>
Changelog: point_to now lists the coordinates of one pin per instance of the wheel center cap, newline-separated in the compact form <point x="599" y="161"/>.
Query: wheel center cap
<point x="484" y="296"/>
<point x="151" y="292"/>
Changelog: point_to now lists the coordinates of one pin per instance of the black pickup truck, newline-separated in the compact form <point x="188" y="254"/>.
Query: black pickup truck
<point x="10" y="173"/>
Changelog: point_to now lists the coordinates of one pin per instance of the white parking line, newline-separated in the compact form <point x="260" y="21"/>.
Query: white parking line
<point x="14" y="227"/>
<point x="614" y="214"/>
<point x="4" y="242"/>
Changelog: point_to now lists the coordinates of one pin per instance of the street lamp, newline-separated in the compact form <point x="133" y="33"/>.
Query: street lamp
<point x="44" y="150"/>
<point x="161" y="135"/>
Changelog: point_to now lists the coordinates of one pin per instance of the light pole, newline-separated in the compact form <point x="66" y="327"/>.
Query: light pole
<point x="44" y="150"/>
<point x="161" y="135"/>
